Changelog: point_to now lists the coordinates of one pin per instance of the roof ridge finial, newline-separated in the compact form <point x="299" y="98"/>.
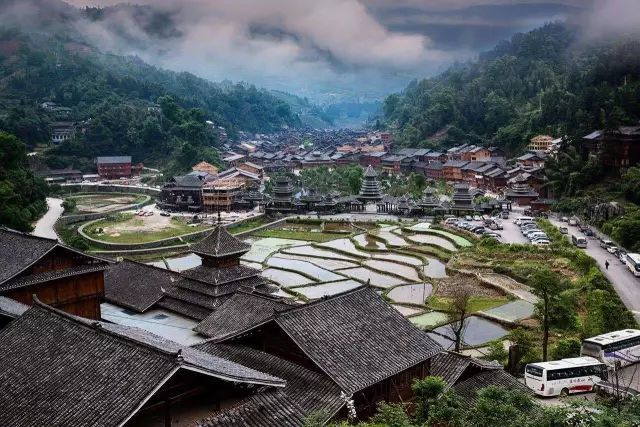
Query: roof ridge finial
<point x="179" y="357"/>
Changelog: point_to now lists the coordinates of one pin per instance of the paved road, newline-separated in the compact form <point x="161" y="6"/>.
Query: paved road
<point x="44" y="226"/>
<point x="626" y="284"/>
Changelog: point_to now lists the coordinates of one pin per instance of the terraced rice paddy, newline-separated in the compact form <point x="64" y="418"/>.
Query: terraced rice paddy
<point x="406" y="311"/>
<point x="320" y="274"/>
<point x="286" y="278"/>
<point x="478" y="331"/>
<point x="179" y="263"/>
<point x="332" y="288"/>
<point x="345" y="245"/>
<point x="435" y="268"/>
<point x="308" y="250"/>
<point x="328" y="264"/>
<point x="262" y="248"/>
<point x="409" y="273"/>
<point x="368" y="242"/>
<point x="391" y="238"/>
<point x="460" y="241"/>
<point x="411" y="294"/>
<point x="432" y="240"/>
<point x="377" y="279"/>
<point x="429" y="320"/>
<point x="403" y="259"/>
<point x="513" y="311"/>
<point x="421" y="226"/>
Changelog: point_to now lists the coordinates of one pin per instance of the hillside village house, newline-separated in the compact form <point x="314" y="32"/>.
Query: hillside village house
<point x="114" y="167"/>
<point x="619" y="148"/>
<point x="205" y="167"/>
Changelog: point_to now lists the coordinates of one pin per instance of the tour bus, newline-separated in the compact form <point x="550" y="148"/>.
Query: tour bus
<point x="563" y="377"/>
<point x="633" y="262"/>
<point x="623" y="346"/>
<point x="579" y="241"/>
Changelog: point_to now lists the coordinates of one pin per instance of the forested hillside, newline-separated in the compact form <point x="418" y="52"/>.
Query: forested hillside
<point x="545" y="81"/>
<point x="22" y="194"/>
<point x="114" y="99"/>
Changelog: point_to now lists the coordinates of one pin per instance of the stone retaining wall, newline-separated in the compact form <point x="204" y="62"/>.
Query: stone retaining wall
<point x="72" y="219"/>
<point x="111" y="188"/>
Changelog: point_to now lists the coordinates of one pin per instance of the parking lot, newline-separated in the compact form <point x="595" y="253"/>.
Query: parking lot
<point x="510" y="232"/>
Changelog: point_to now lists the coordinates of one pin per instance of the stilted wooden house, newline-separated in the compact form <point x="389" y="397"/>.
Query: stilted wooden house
<point x="57" y="274"/>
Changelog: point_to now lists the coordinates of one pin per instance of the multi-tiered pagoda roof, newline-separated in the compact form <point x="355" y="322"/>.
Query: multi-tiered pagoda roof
<point x="370" y="189"/>
<point x="462" y="199"/>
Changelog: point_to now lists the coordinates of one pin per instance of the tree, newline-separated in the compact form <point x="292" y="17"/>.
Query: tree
<point x="497" y="406"/>
<point x="426" y="392"/>
<point x="548" y="287"/>
<point x="566" y="348"/>
<point x="459" y="309"/>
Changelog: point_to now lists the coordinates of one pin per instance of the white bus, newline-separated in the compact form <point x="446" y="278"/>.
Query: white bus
<point x="579" y="241"/>
<point x="563" y="377"/>
<point x="619" y="345"/>
<point x="633" y="262"/>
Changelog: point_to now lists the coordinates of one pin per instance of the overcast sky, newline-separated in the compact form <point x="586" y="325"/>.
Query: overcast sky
<point x="367" y="47"/>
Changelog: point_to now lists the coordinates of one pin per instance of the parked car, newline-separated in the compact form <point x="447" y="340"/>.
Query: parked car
<point x="505" y="214"/>
<point x="587" y="231"/>
<point x="450" y="221"/>
<point x="573" y="222"/>
<point x="564" y="219"/>
<point x="612" y="249"/>
<point x="468" y="218"/>
<point x="622" y="255"/>
<point x="165" y="214"/>
<point x="604" y="244"/>
<point x="541" y="242"/>
<point x="477" y="218"/>
<point x="564" y="230"/>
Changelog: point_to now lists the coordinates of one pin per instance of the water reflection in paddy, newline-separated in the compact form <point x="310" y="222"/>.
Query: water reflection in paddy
<point x="347" y="246"/>
<point x="411" y="294"/>
<point x="262" y="248"/>
<point x="400" y="258"/>
<point x="309" y="250"/>
<point x="377" y="279"/>
<point x="435" y="268"/>
<point x="179" y="263"/>
<point x="391" y="238"/>
<point x="368" y="242"/>
<point x="286" y="278"/>
<point x="477" y="332"/>
<point x="305" y="267"/>
<point x="405" y="271"/>
<point x="432" y="240"/>
<point x="318" y="291"/>
<point x="328" y="264"/>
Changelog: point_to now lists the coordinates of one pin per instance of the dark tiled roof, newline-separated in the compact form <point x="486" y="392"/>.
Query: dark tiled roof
<point x="66" y="371"/>
<point x="46" y="276"/>
<point x="357" y="338"/>
<point x="469" y="388"/>
<point x="184" y="308"/>
<point x="136" y="286"/>
<point x="114" y="159"/>
<point x="310" y="391"/>
<point x="12" y="308"/>
<point x="243" y="310"/>
<point x="220" y="243"/>
<point x="370" y="172"/>
<point x="267" y="408"/>
<point x="220" y="276"/>
<point x="451" y="366"/>
<point x="19" y="250"/>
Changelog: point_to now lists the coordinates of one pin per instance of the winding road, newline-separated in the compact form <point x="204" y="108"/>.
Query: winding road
<point x="44" y="226"/>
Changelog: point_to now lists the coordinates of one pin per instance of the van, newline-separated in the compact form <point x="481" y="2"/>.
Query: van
<point x="579" y="241"/>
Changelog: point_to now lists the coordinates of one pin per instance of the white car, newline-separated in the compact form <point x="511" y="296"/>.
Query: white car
<point x="477" y="218"/>
<point x="541" y="242"/>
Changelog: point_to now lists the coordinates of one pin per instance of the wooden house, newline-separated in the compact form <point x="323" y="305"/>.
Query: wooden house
<point x="67" y="371"/>
<point x="58" y="275"/>
<point x="374" y="359"/>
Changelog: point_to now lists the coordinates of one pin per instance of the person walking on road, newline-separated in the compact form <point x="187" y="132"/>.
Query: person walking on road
<point x="606" y="264"/>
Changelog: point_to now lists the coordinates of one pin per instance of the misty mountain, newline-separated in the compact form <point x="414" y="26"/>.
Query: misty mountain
<point x="546" y="81"/>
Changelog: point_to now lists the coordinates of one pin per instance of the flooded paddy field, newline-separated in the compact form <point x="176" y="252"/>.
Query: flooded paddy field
<point x="478" y="331"/>
<point x="304" y="267"/>
<point x="376" y="279"/>
<point x="408" y="273"/>
<point x="326" y="289"/>
<point x="432" y="240"/>
<point x="345" y="245"/>
<point x="286" y="279"/>
<point x="365" y="240"/>
<point x="411" y="294"/>
<point x="308" y="250"/>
